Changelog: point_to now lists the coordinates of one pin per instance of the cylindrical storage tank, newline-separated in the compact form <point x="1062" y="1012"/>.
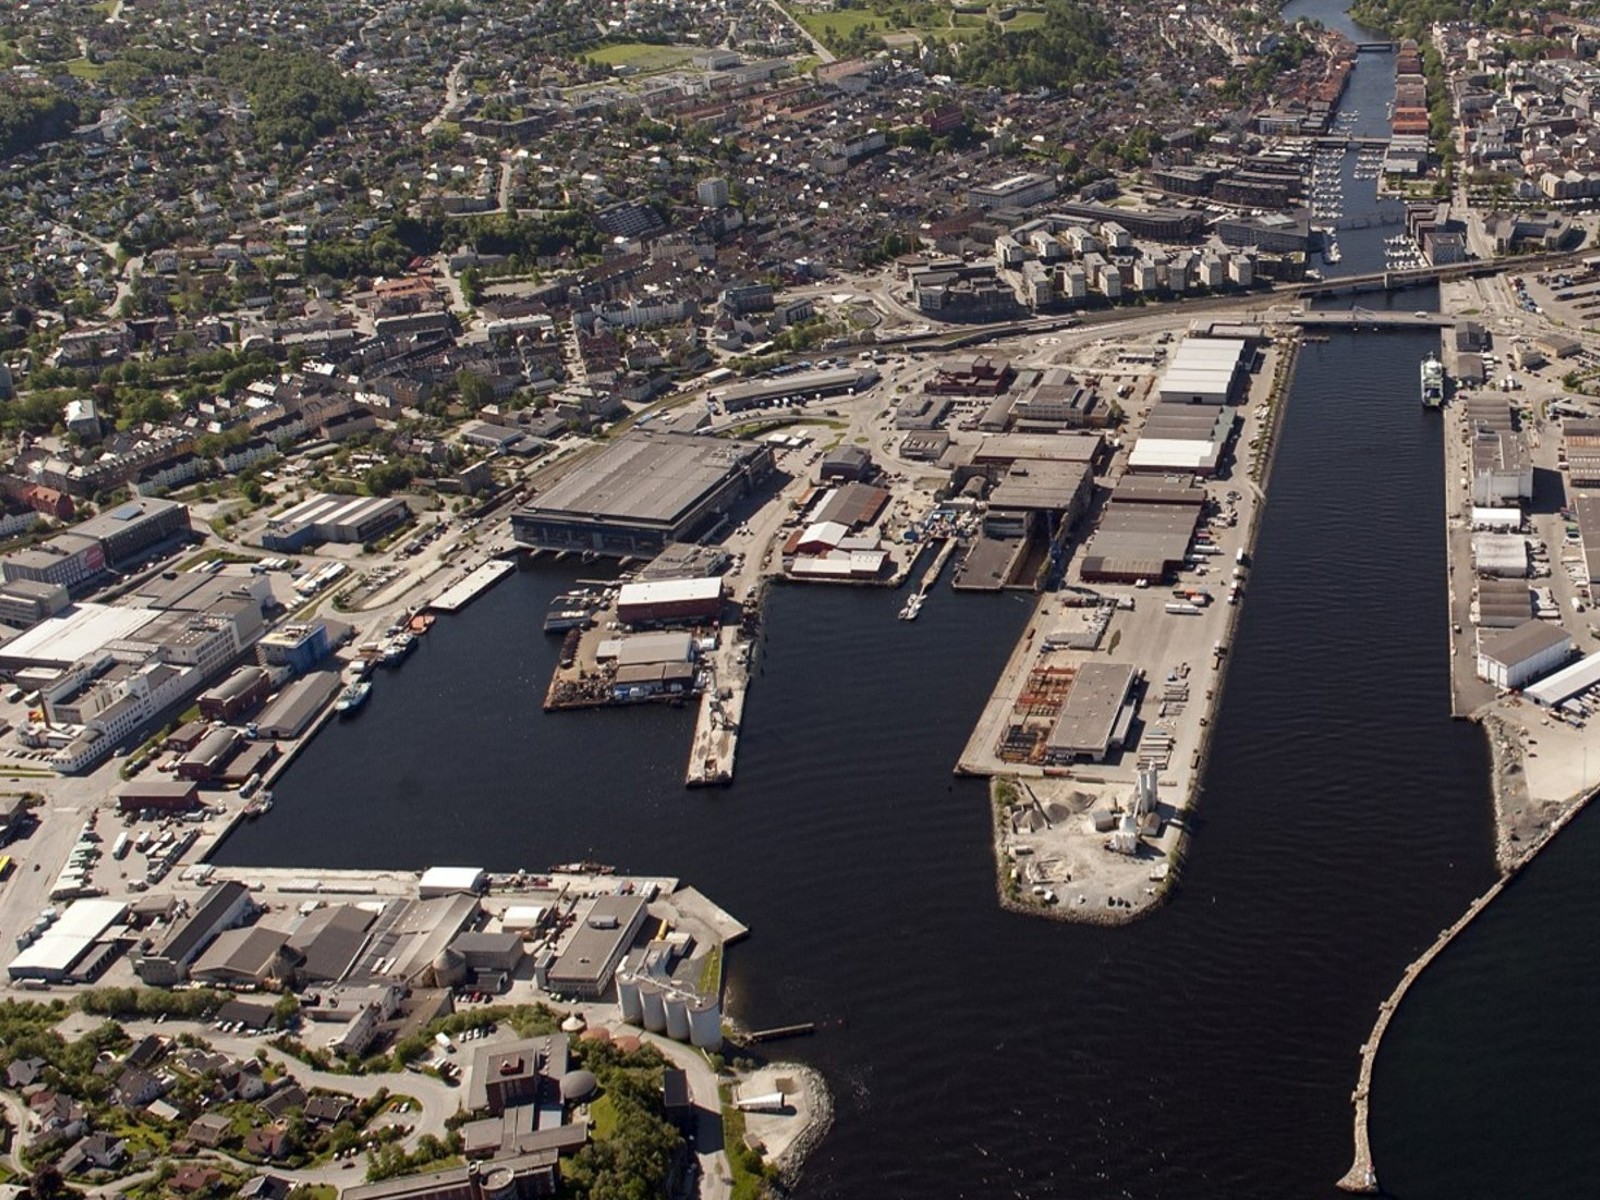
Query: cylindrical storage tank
<point x="705" y="1024"/>
<point x="628" y="994"/>
<point x="677" y="1018"/>
<point x="499" y="1183"/>
<point x="654" y="1017"/>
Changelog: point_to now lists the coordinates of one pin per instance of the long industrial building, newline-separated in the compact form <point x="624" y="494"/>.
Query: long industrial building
<point x="1145" y="531"/>
<point x="324" y="518"/>
<point x="643" y="491"/>
<point x="1097" y="714"/>
<point x="1204" y="371"/>
<point x="800" y="385"/>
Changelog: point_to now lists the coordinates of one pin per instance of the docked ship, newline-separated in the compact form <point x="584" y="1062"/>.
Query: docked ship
<point x="353" y="697"/>
<point x="1432" y="382"/>
<point x="570" y="610"/>
<point x="397" y="647"/>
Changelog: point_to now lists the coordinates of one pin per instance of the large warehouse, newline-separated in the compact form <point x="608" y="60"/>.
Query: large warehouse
<point x="798" y="385"/>
<point x="1097" y="714"/>
<point x="1182" y="438"/>
<point x="324" y="518"/>
<point x="641" y="492"/>
<point x="665" y="601"/>
<point x="1204" y="371"/>
<point x="1142" y="536"/>
<point x="1514" y="657"/>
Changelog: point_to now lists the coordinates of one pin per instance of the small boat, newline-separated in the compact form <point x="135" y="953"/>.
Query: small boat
<point x="352" y="698"/>
<point x="912" y="607"/>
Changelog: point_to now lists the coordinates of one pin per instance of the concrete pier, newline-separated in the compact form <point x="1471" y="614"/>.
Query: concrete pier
<point x="716" y="728"/>
<point x="460" y="594"/>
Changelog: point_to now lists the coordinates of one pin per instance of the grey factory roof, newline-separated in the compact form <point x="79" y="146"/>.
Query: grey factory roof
<point x="330" y="938"/>
<point x="1588" y="508"/>
<point x="1147" y="532"/>
<point x="1531" y="638"/>
<point x="1089" y="716"/>
<point x="1160" y="489"/>
<point x="297" y="704"/>
<point x="235" y="685"/>
<point x="798" y="384"/>
<point x="122" y="516"/>
<point x="591" y="951"/>
<point x="241" y="953"/>
<point x="1057" y="447"/>
<point x="650" y="477"/>
<point x="1039" y="486"/>
<point x="1503" y="603"/>
<point x="186" y="937"/>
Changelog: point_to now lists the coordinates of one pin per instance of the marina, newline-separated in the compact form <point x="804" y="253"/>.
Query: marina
<point x="472" y="585"/>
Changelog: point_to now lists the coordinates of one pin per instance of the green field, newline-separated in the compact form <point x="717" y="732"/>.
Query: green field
<point x="832" y="26"/>
<point x="641" y="56"/>
<point x="841" y="22"/>
<point x="1024" y="20"/>
<point x="82" y="68"/>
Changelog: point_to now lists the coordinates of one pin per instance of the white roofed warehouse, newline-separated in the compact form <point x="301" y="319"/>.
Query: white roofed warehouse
<point x="1204" y="371"/>
<point x="324" y="518"/>
<point x="670" y="601"/>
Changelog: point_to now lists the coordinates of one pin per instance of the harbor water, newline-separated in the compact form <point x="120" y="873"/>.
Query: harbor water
<point x="1206" y="1051"/>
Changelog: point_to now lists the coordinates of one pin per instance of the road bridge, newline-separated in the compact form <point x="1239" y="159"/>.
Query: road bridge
<point x="1366" y="318"/>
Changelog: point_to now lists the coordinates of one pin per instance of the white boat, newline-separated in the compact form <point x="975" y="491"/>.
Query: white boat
<point x="1432" y="382"/>
<point x="353" y="697"/>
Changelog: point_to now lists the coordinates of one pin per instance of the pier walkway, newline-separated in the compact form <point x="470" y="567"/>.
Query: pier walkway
<point x="463" y="592"/>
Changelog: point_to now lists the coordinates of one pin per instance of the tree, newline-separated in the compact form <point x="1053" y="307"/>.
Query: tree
<point x="475" y="391"/>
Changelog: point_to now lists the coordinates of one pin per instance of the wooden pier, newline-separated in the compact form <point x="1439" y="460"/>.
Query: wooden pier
<point x="803" y="1029"/>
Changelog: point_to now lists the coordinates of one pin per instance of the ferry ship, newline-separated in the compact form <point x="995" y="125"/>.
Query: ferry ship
<point x="353" y="697"/>
<point x="1432" y="382"/>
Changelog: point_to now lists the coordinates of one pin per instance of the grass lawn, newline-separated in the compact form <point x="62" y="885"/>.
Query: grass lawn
<point x="843" y="21"/>
<point x="603" y="1117"/>
<point x="82" y="68"/>
<point x="641" y="56"/>
<point x="1023" y="20"/>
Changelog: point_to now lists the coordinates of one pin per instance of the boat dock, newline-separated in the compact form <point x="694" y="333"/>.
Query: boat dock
<point x="458" y="595"/>
<point x="716" y="728"/>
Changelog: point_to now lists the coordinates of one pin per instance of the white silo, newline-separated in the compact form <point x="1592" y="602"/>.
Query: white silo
<point x="628" y="994"/>
<point x="677" y="1017"/>
<point x="654" y="1017"/>
<point x="705" y="1023"/>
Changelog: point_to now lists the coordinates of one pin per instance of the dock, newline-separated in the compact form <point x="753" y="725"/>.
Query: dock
<point x="716" y="728"/>
<point x="782" y="1031"/>
<point x="458" y="595"/>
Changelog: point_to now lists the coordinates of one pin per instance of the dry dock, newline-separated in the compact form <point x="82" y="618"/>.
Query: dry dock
<point x="463" y="592"/>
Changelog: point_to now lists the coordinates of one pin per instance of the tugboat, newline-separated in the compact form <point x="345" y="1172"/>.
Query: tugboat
<point x="1432" y="382"/>
<point x="352" y="698"/>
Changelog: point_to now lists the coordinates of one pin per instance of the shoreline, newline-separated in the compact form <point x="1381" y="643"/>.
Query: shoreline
<point x="1272" y="407"/>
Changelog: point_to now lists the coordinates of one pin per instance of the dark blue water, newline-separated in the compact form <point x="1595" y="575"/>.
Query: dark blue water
<point x="1486" y="1081"/>
<point x="1206" y="1052"/>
